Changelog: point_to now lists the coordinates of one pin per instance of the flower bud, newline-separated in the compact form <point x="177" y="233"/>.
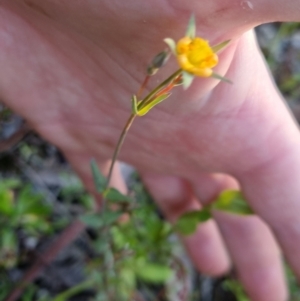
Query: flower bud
<point x="158" y="61"/>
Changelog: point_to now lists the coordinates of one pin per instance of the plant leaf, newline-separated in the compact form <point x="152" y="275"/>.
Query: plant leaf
<point x="191" y="29"/>
<point x="134" y="105"/>
<point x="99" y="179"/>
<point x="7" y="205"/>
<point x="171" y="43"/>
<point x="11" y="183"/>
<point x="236" y="288"/>
<point x="153" y="273"/>
<point x="188" y="222"/>
<point x="220" y="46"/>
<point x="148" y="106"/>
<point x="232" y="201"/>
<point x="222" y="78"/>
<point x="30" y="203"/>
<point x="9" y="248"/>
<point x="187" y="79"/>
<point x="92" y="220"/>
<point x="95" y="220"/>
<point x="115" y="196"/>
<point x="74" y="290"/>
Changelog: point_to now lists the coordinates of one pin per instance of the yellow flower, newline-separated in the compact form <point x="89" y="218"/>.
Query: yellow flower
<point x="195" y="56"/>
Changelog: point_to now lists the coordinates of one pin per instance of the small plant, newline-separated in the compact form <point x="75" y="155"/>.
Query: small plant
<point x="196" y="58"/>
<point x="21" y="210"/>
<point x="122" y="222"/>
<point x="131" y="249"/>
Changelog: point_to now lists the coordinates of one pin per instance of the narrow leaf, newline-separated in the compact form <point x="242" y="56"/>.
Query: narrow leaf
<point x="222" y="78"/>
<point x="9" y="248"/>
<point x="191" y="29"/>
<point x="74" y="290"/>
<point x="7" y="205"/>
<point x="99" y="179"/>
<point x="171" y="43"/>
<point x="220" y="46"/>
<point x="232" y="201"/>
<point x="148" y="106"/>
<point x="187" y="79"/>
<point x="116" y="196"/>
<point x="95" y="220"/>
<point x="188" y="222"/>
<point x="92" y="220"/>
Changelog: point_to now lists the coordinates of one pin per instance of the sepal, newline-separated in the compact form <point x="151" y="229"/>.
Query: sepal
<point x="191" y="29"/>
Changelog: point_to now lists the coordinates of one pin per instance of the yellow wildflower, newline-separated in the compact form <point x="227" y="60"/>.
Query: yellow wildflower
<point x="194" y="55"/>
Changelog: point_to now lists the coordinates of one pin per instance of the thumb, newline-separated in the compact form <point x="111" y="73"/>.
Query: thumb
<point x="232" y="18"/>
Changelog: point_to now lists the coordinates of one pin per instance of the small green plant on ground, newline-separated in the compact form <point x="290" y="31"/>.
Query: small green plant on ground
<point x="132" y="246"/>
<point x="23" y="215"/>
<point x="21" y="210"/>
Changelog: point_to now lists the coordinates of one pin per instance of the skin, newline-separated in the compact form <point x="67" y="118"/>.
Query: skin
<point x="70" y="68"/>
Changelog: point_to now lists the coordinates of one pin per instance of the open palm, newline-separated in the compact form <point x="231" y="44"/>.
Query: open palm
<point x="70" y="70"/>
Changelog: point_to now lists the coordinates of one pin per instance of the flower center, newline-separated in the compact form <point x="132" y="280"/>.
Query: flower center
<point x="200" y="54"/>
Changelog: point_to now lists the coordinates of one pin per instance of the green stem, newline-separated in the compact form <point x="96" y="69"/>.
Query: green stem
<point x="66" y="295"/>
<point x="131" y="119"/>
<point x="159" y="87"/>
<point x="121" y="141"/>
<point x="118" y="147"/>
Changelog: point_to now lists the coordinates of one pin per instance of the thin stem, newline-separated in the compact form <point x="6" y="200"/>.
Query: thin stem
<point x="166" y="89"/>
<point x="131" y="119"/>
<point x="118" y="147"/>
<point x="107" y="262"/>
<point x="143" y="85"/>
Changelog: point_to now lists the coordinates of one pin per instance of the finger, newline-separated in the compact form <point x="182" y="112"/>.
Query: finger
<point x="251" y="245"/>
<point x="271" y="180"/>
<point x="273" y="191"/>
<point x="205" y="246"/>
<point x="256" y="256"/>
<point x="237" y="17"/>
<point x="208" y="186"/>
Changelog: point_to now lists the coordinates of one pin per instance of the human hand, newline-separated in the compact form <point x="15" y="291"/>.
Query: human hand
<point x="70" y="70"/>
